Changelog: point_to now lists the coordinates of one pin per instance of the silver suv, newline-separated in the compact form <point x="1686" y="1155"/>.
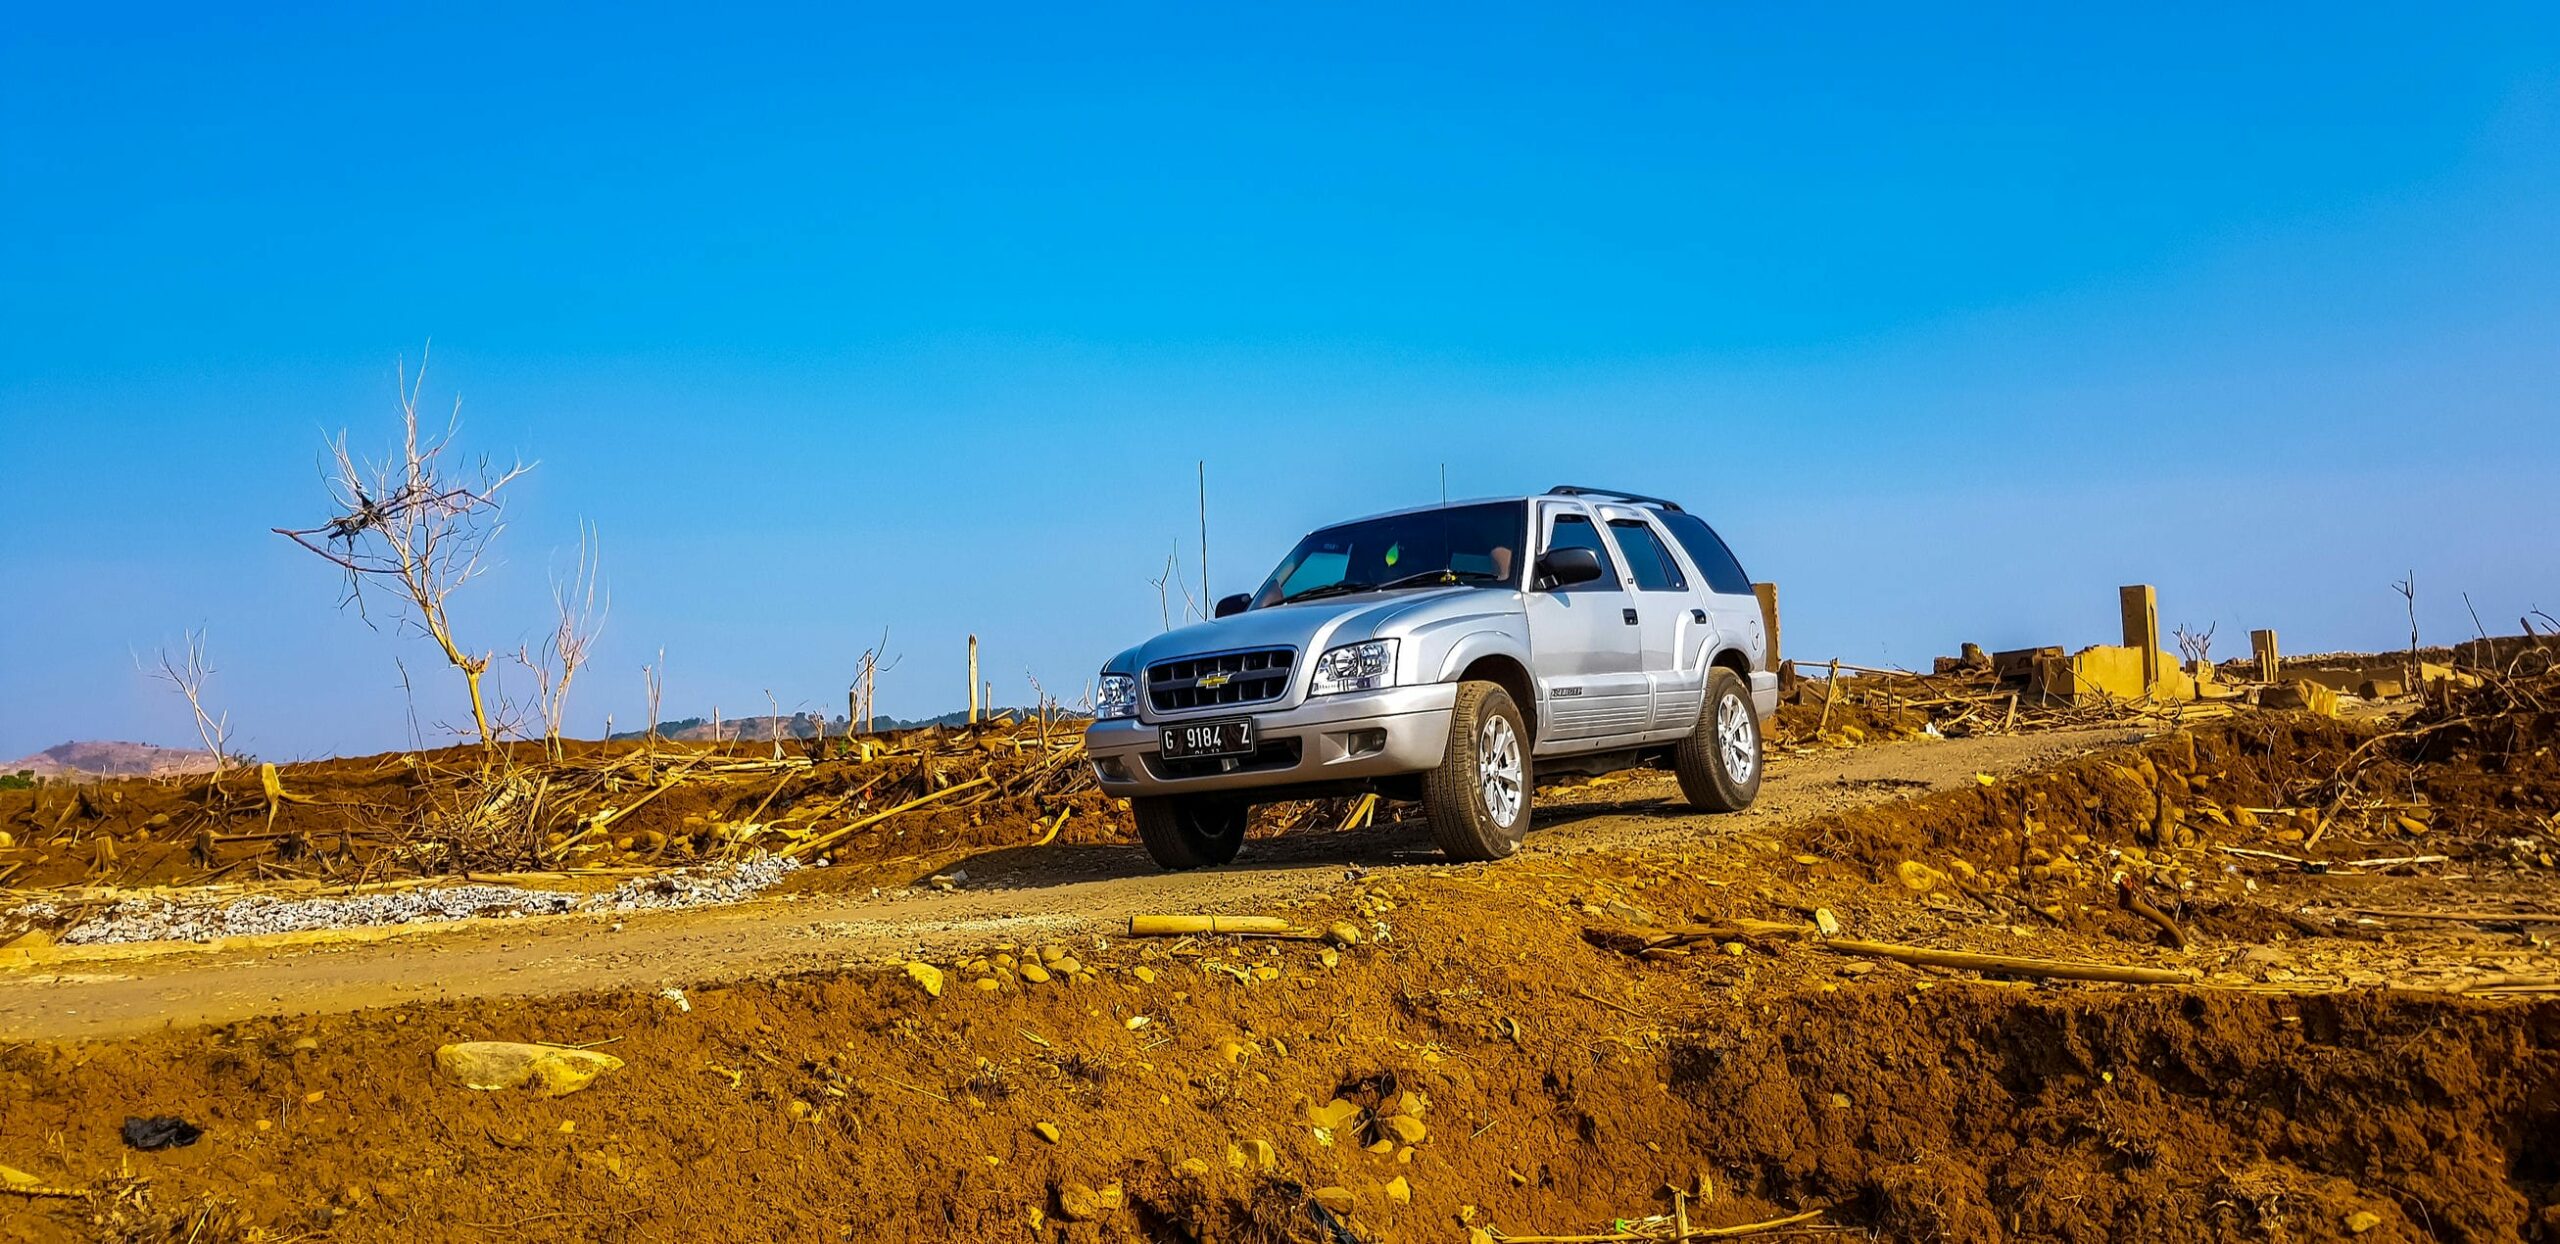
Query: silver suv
<point x="1453" y="654"/>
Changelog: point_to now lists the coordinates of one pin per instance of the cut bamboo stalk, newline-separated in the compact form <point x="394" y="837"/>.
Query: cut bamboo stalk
<point x="2015" y="965"/>
<point x="832" y="837"/>
<point x="1175" y="926"/>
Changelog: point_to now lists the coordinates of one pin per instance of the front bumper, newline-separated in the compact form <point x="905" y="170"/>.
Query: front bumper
<point x="1330" y="738"/>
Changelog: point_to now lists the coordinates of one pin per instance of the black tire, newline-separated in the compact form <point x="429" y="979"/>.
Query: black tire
<point x="1189" y="831"/>
<point x="1454" y="799"/>
<point x="1712" y="778"/>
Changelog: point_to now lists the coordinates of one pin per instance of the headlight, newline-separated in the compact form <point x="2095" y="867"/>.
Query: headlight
<point x="1356" y="667"/>
<point x="1116" y="697"/>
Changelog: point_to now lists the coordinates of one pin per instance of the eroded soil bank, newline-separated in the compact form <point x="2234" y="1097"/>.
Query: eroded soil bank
<point x="1555" y="1096"/>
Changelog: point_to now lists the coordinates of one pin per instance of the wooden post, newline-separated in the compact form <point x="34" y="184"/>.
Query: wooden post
<point x="1768" y="594"/>
<point x="2142" y="628"/>
<point x="973" y="680"/>
<point x="2262" y="644"/>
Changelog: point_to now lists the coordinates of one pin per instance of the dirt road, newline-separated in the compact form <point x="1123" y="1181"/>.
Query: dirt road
<point x="1008" y="894"/>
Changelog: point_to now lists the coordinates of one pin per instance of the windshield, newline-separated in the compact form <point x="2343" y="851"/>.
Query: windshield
<point x="1456" y="544"/>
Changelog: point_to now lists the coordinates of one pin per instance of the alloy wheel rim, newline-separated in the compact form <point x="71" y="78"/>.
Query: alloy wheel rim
<point x="1735" y="735"/>
<point x="1498" y="773"/>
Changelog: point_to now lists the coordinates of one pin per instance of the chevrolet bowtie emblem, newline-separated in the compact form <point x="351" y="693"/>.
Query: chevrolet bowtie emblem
<point x="1213" y="681"/>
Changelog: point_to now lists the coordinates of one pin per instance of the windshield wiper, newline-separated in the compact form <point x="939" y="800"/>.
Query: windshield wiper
<point x="1327" y="589"/>
<point x="1440" y="576"/>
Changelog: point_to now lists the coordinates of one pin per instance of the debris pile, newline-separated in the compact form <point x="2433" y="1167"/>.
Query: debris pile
<point x="204" y="918"/>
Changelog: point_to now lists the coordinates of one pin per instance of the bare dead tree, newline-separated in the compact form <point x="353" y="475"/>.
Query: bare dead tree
<point x="416" y="527"/>
<point x="2408" y="589"/>
<point x="186" y="675"/>
<point x="1171" y="582"/>
<point x="2196" y="648"/>
<point x="577" y="619"/>
<point x="866" y="677"/>
<point x="653" y="680"/>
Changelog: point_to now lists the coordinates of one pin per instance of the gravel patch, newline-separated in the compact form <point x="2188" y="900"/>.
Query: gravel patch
<point x="203" y="920"/>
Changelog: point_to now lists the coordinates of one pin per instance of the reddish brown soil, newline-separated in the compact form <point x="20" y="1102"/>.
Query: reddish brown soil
<point x="1565" y="1085"/>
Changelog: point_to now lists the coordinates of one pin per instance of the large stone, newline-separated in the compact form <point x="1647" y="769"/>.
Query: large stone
<point x="1334" y="1115"/>
<point x="2300" y="695"/>
<point x="549" y="1070"/>
<point x="927" y="977"/>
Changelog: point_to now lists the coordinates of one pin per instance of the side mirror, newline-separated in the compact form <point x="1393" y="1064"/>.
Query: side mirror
<point x="1567" y="566"/>
<point x="1229" y="606"/>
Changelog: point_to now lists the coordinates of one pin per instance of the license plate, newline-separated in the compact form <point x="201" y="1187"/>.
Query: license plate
<point x="1232" y="737"/>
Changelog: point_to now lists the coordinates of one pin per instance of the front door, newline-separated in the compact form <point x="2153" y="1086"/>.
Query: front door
<point x="1586" y="642"/>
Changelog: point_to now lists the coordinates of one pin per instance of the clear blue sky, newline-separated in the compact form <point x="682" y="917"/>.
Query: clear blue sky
<point x="834" y="319"/>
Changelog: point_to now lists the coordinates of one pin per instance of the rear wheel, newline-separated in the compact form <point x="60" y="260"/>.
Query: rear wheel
<point x="1477" y="801"/>
<point x="1719" y="763"/>
<point x="1189" y="831"/>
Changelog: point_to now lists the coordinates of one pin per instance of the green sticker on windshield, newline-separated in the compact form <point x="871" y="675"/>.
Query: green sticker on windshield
<point x="1394" y="551"/>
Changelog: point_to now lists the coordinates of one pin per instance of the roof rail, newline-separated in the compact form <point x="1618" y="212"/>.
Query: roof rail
<point x="1576" y="490"/>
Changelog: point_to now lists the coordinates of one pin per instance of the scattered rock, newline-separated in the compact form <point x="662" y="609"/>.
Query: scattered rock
<point x="160" y="1132"/>
<point x="1825" y="921"/>
<point x="549" y="1070"/>
<point x="1404" y="1128"/>
<point x="927" y="976"/>
<point x="1048" y="1131"/>
<point x="1343" y="933"/>
<point x="2363" y="1220"/>
<point x="1400" y="1191"/>
<point x="1035" y="973"/>
<point x="1146" y="975"/>
<point x="1334" y="1115"/>
<point x="1079" y="1203"/>
<point x="1336" y="1199"/>
<point x="1260" y="1156"/>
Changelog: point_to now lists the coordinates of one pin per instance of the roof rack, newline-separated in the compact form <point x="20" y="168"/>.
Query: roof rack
<point x="1575" y="490"/>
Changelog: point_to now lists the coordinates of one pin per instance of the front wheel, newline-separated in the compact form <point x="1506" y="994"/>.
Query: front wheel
<point x="1719" y="763"/>
<point x="1189" y="831"/>
<point x="1477" y="801"/>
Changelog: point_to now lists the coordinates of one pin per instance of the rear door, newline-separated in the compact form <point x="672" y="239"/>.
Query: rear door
<point x="1728" y="597"/>
<point x="1671" y="620"/>
<point x="1585" y="643"/>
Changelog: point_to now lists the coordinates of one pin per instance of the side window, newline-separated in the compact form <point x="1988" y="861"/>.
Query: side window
<point x="1706" y="548"/>
<point x="1573" y="531"/>
<point x="1651" y="564"/>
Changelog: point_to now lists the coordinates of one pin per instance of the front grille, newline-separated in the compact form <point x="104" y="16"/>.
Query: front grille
<point x="1274" y="754"/>
<point x="1217" y="681"/>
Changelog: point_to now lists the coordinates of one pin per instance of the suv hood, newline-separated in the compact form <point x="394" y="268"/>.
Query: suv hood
<point x="1313" y="626"/>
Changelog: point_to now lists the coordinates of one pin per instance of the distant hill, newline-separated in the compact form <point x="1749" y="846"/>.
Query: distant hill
<point x="106" y="758"/>
<point x="796" y="726"/>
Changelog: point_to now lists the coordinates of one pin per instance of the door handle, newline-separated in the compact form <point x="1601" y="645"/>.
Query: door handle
<point x="1629" y="615"/>
<point x="1697" y="615"/>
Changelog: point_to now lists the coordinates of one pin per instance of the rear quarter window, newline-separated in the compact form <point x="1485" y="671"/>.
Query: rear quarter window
<point x="1705" y="547"/>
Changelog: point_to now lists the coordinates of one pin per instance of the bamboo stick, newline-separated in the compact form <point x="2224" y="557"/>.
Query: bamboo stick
<point x="2016" y="965"/>
<point x="1693" y="1233"/>
<point x="1172" y="926"/>
<point x="831" y="838"/>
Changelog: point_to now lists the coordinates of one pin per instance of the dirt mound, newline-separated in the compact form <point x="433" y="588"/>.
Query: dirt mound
<point x="598" y="808"/>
